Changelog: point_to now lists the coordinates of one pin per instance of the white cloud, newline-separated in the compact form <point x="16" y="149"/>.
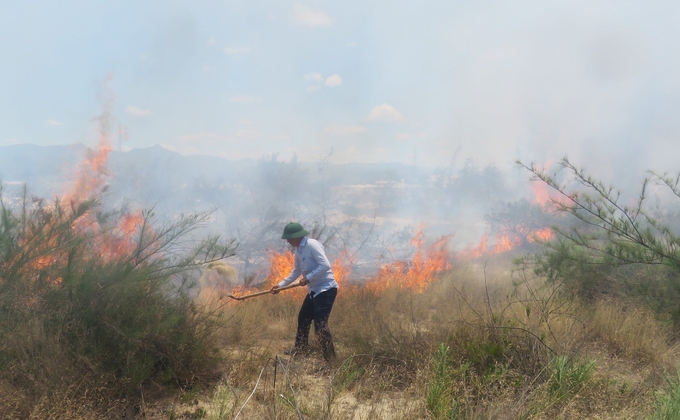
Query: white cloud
<point x="334" y="81"/>
<point x="137" y="112"/>
<point x="307" y="17"/>
<point x="211" y="41"/>
<point x="344" y="130"/>
<point x="54" y="123"/>
<point x="385" y="112"/>
<point x="244" y="99"/>
<point x="313" y="77"/>
<point x="246" y="121"/>
<point x="236" y="50"/>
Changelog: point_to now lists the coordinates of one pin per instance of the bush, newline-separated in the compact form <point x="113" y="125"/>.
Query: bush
<point x="100" y="301"/>
<point x="616" y="243"/>
<point x="439" y="398"/>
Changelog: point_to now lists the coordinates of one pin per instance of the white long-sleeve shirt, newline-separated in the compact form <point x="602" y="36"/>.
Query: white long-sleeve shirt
<point x="312" y="263"/>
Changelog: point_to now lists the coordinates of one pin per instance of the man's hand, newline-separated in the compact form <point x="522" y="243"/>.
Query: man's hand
<point x="304" y="281"/>
<point x="275" y="289"/>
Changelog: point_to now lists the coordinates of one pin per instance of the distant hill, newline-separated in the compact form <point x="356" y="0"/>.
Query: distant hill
<point x="156" y="172"/>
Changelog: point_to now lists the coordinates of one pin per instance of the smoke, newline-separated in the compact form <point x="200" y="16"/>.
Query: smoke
<point x="431" y="106"/>
<point x="92" y="172"/>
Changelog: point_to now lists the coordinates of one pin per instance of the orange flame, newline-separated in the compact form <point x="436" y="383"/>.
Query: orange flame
<point x="92" y="172"/>
<point x="546" y="197"/>
<point x="479" y="250"/>
<point x="417" y="273"/>
<point x="120" y="241"/>
<point x="545" y="234"/>
<point x="342" y="266"/>
<point x="106" y="242"/>
<point x="541" y="193"/>
<point x="90" y="178"/>
<point x="505" y="243"/>
<point x="281" y="264"/>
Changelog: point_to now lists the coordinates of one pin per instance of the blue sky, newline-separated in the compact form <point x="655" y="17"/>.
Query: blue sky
<point x="437" y="82"/>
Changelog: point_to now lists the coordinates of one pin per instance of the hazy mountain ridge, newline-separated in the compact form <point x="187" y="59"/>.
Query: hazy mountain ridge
<point x="34" y="164"/>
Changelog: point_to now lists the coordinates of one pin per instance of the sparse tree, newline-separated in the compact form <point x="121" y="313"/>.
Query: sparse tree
<point x="613" y="247"/>
<point x="618" y="233"/>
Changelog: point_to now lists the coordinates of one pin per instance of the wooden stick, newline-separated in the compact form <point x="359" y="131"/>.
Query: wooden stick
<point x="264" y="292"/>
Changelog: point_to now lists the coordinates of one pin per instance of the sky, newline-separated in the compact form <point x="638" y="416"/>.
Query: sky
<point x="435" y="83"/>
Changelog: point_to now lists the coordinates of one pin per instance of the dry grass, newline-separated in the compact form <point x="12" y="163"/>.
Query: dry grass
<point x="631" y="332"/>
<point x="513" y="348"/>
<point x="478" y="343"/>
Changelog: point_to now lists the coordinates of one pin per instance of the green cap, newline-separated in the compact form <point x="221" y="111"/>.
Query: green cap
<point x="293" y="230"/>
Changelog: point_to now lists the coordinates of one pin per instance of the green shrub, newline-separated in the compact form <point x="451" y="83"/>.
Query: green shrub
<point x="668" y="403"/>
<point x="439" y="397"/>
<point x="616" y="244"/>
<point x="568" y="377"/>
<point x="85" y="297"/>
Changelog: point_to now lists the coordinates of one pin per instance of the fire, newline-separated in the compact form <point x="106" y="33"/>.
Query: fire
<point x="546" y="197"/>
<point x="541" y="193"/>
<point x="120" y="241"/>
<point x="130" y="222"/>
<point x="545" y="234"/>
<point x="479" y="250"/>
<point x="106" y="242"/>
<point x="508" y="242"/>
<point x="516" y="236"/>
<point x="43" y="263"/>
<point x="342" y="267"/>
<point x="91" y="176"/>
<point x="281" y="264"/>
<point x="417" y="273"/>
<point x="92" y="172"/>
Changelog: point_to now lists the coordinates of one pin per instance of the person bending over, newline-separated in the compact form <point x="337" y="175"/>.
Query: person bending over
<point x="311" y="262"/>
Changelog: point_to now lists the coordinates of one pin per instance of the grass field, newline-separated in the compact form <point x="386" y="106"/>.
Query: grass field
<point x="482" y="340"/>
<point x="479" y="343"/>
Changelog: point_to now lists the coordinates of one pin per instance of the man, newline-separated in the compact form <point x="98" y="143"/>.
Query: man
<point x="311" y="262"/>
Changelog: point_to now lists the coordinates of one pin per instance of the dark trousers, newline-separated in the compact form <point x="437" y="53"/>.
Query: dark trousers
<point x="316" y="309"/>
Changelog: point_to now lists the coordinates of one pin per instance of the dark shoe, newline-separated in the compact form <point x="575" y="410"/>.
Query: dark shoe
<point x="328" y="352"/>
<point x="329" y="357"/>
